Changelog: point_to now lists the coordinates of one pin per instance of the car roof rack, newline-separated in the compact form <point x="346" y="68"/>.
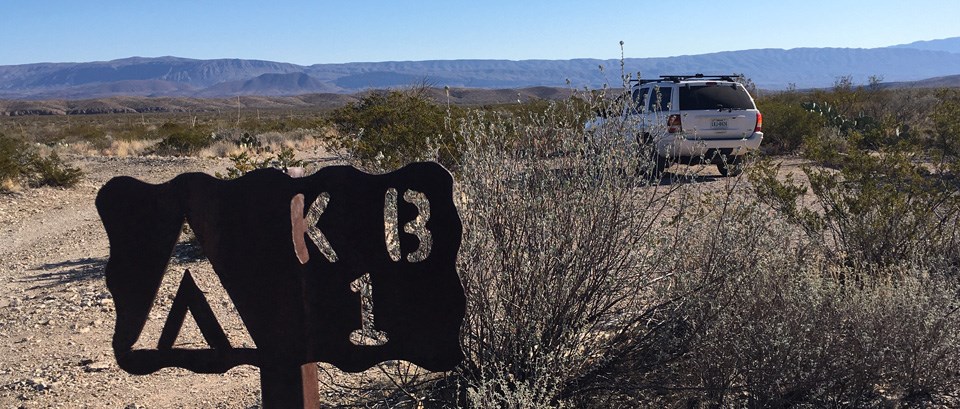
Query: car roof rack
<point x="678" y="78"/>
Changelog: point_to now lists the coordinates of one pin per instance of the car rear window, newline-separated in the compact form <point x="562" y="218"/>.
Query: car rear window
<point x="703" y="97"/>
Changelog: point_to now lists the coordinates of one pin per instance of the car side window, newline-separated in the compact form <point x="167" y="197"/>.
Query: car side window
<point x="660" y="99"/>
<point x="640" y="97"/>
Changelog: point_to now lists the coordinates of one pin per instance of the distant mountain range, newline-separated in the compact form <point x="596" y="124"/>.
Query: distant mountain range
<point x="132" y="104"/>
<point x="182" y="77"/>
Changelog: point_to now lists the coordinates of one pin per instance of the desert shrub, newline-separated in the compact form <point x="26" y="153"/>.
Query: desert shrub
<point x="543" y="128"/>
<point x="182" y="140"/>
<point x="14" y="163"/>
<point x="20" y="162"/>
<point x="10" y="149"/>
<point x="883" y="193"/>
<point x="869" y="296"/>
<point x="52" y="171"/>
<point x="768" y="321"/>
<point x="781" y="335"/>
<point x="132" y="132"/>
<point x="876" y="210"/>
<point x="945" y="138"/>
<point x="387" y="130"/>
<point x="96" y="136"/>
<point x="786" y="125"/>
<point x="243" y="162"/>
<point x="560" y="297"/>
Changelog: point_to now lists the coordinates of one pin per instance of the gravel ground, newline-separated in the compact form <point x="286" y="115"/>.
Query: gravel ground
<point x="56" y="315"/>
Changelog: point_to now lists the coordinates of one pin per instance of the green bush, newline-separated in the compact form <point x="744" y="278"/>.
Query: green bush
<point x="244" y="163"/>
<point x="388" y="130"/>
<point x="14" y="163"/>
<point x="876" y="210"/>
<point x="182" y="140"/>
<point x="786" y="125"/>
<point x="96" y="136"/>
<point x="20" y="163"/>
<point x="945" y="144"/>
<point x="52" y="171"/>
<point x="882" y="196"/>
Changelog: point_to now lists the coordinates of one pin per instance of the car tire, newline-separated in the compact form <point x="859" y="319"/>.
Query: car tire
<point x="590" y="147"/>
<point x="650" y="165"/>
<point x="733" y="166"/>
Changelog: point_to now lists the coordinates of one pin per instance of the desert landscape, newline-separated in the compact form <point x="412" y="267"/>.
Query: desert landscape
<point x="587" y="283"/>
<point x="584" y="205"/>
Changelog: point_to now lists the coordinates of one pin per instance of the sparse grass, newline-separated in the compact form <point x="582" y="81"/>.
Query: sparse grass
<point x="133" y="147"/>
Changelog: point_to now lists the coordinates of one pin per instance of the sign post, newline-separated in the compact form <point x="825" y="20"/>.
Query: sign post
<point x="341" y="267"/>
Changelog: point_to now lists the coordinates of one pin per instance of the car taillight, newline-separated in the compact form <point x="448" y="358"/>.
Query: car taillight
<point x="673" y="124"/>
<point x="759" y="122"/>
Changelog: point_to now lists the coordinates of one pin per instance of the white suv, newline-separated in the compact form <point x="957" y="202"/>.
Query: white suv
<point x="693" y="119"/>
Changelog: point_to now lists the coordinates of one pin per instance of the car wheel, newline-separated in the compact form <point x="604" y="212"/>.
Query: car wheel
<point x="651" y="165"/>
<point x="591" y="148"/>
<point x="733" y="166"/>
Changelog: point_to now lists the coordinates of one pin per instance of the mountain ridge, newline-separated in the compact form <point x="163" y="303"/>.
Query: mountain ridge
<point x="769" y="68"/>
<point x="146" y="104"/>
<point x="951" y="45"/>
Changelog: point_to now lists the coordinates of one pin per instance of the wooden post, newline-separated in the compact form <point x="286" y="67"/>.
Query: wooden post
<point x="289" y="386"/>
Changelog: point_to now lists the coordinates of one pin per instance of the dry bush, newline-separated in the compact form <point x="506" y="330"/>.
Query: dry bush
<point x="784" y="329"/>
<point x="221" y="149"/>
<point x="129" y="147"/>
<point x="561" y="296"/>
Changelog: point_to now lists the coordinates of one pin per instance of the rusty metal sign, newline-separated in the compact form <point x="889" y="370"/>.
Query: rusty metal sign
<point x="341" y="267"/>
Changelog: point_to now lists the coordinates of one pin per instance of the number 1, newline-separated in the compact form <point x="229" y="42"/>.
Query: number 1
<point x="367" y="335"/>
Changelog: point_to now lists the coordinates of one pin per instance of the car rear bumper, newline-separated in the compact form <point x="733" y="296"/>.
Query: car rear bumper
<point x="681" y="146"/>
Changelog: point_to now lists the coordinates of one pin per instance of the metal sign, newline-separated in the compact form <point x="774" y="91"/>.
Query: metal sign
<point x="341" y="267"/>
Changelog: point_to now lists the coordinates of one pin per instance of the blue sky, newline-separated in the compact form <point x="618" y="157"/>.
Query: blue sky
<point x="311" y="32"/>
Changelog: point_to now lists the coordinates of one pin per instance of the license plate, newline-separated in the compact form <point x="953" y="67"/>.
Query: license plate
<point x="718" y="123"/>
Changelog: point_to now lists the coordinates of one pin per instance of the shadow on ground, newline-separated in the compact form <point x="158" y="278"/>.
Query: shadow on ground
<point x="561" y="176"/>
<point x="68" y="272"/>
<point x="670" y="177"/>
<point x="90" y="268"/>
